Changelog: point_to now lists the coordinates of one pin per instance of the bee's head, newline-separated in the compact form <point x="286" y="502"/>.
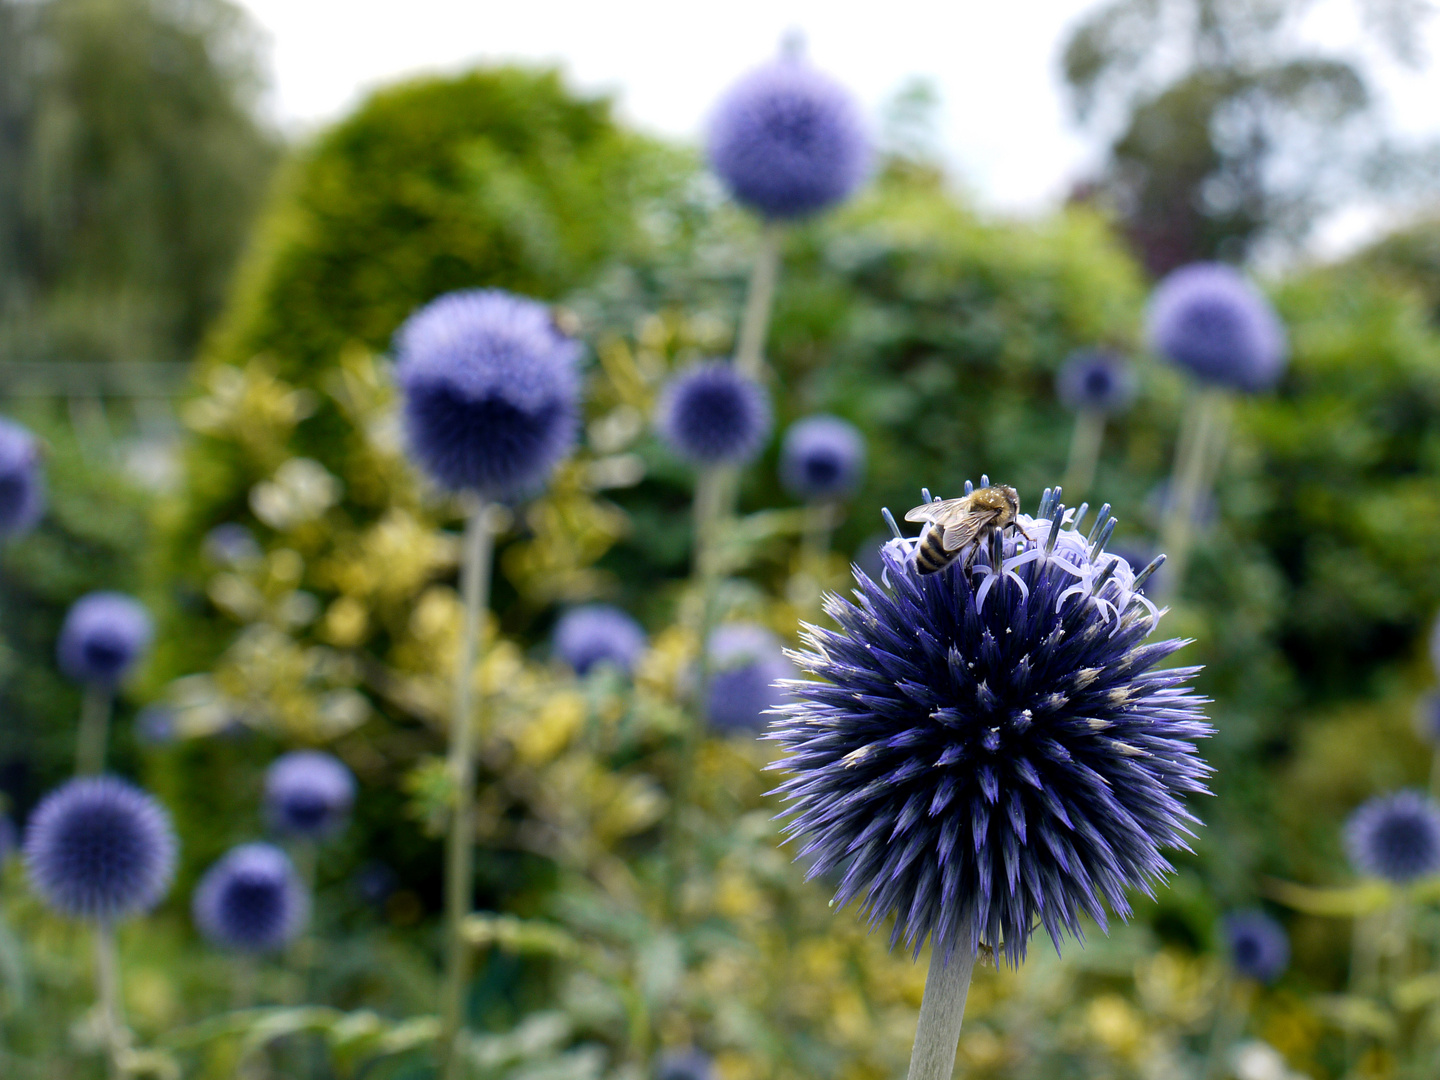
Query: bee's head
<point x="1012" y="499"/>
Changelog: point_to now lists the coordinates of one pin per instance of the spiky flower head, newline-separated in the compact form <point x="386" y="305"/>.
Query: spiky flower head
<point x="1395" y="837"/>
<point x="22" y="485"/>
<point x="599" y="633"/>
<point x="747" y="666"/>
<point x="490" y="391"/>
<point x="1206" y="318"/>
<point x="99" y="848"/>
<point x="1097" y="381"/>
<point x="308" y="793"/>
<point x="103" y="637"/>
<point x="685" y="1065"/>
<point x="711" y="414"/>
<point x="1259" y="946"/>
<point x="788" y="140"/>
<point x="251" y="900"/>
<point x="822" y="457"/>
<point x="990" y="751"/>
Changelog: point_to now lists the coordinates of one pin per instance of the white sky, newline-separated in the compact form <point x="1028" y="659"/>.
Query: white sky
<point x="1004" y="126"/>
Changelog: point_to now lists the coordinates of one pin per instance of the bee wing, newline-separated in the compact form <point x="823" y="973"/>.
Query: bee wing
<point x="934" y="511"/>
<point x="961" y="534"/>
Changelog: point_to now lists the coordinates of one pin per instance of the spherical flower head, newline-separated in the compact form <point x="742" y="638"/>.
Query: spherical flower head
<point x="22" y="485"/>
<point x="1096" y="381"/>
<point x="747" y="666"/>
<point x="490" y="391"/>
<point x="788" y="141"/>
<point x="599" y="633"/>
<point x="99" y="848"/>
<point x="711" y="414"/>
<point x="251" y="900"/>
<point x="822" y="457"/>
<point x="685" y="1065"/>
<point x="308" y="793"/>
<point x="105" y="634"/>
<point x="988" y="750"/>
<point x="1259" y="946"/>
<point x="1208" y="319"/>
<point x="1395" y="837"/>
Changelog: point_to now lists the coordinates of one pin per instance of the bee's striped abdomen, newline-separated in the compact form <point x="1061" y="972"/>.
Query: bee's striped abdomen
<point x="930" y="553"/>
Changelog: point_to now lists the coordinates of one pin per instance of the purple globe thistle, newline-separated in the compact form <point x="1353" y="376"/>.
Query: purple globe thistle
<point x="1207" y="318"/>
<point x="99" y="848"/>
<point x="747" y="664"/>
<point x="490" y="391"/>
<point x="788" y="141"/>
<point x="308" y="793"/>
<point x="22" y="485"/>
<point x="1096" y="381"/>
<point x="105" y="634"/>
<point x="711" y="414"/>
<point x="989" y="752"/>
<point x="596" y="633"/>
<point x="1259" y="946"/>
<point x="251" y="900"/>
<point x="822" y="457"/>
<point x="1395" y="837"/>
<point x="685" y="1065"/>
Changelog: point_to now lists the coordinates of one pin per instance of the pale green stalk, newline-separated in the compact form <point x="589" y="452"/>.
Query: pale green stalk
<point x="809" y="581"/>
<point x="459" y="851"/>
<point x="1229" y="1024"/>
<point x="1197" y="457"/>
<point x="107" y="981"/>
<point x="1085" y="444"/>
<point x="942" y="1010"/>
<point x="94" y="730"/>
<point x="759" y="299"/>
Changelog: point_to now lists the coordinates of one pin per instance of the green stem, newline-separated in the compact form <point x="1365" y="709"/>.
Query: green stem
<point x="1229" y="1024"/>
<point x="94" y="730"/>
<point x="1435" y="773"/>
<point x="942" y="1010"/>
<point x="107" y="983"/>
<point x="1085" y="443"/>
<point x="809" y="582"/>
<point x="1197" y="457"/>
<point x="759" y="299"/>
<point x="459" y="868"/>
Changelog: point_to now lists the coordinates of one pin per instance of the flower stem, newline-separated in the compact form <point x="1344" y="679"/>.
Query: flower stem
<point x="755" y="323"/>
<point x="474" y="587"/>
<point x="937" y="1035"/>
<point x="94" y="730"/>
<point x="1229" y="1025"/>
<point x="1084" y="452"/>
<point x="107" y="984"/>
<point x="1435" y="774"/>
<point x="1201" y="447"/>
<point x="808" y="584"/>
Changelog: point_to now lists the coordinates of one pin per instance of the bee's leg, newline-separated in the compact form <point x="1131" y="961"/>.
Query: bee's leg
<point x="970" y="556"/>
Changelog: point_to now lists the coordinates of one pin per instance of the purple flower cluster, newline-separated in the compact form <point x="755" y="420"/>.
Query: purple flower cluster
<point x="599" y="633"/>
<point x="747" y="668"/>
<point x="22" y="486"/>
<point x="822" y="457"/>
<point x="1259" y="946"/>
<point x="1208" y="319"/>
<point x="1097" y="381"/>
<point x="308" y="793"/>
<point x="105" y="634"/>
<point x="1395" y="837"/>
<point x="251" y="900"/>
<point x="711" y="414"/>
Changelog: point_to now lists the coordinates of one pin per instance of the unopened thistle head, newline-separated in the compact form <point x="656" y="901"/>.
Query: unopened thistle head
<point x="105" y="634"/>
<point x="1259" y="946"/>
<point x="1208" y="319"/>
<point x="712" y="414"/>
<point x="22" y="487"/>
<point x="685" y="1065"/>
<point x="251" y="900"/>
<point x="1097" y="381"/>
<point x="989" y="750"/>
<point x="308" y="793"/>
<point x="747" y="668"/>
<point x="1395" y="837"/>
<point x="599" y="633"/>
<point x="822" y="457"/>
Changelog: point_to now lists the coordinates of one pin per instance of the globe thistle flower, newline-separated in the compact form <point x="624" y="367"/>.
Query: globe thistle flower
<point x="1259" y="946"/>
<point x="490" y="391"/>
<point x="1395" y="837"/>
<point x="105" y="634"/>
<point x="1208" y="319"/>
<point x="231" y="545"/>
<point x="251" y="900"/>
<point x="991" y="751"/>
<point x="1096" y="381"/>
<point x="788" y="141"/>
<point x="685" y="1065"/>
<point x="822" y="457"/>
<point x="99" y="848"/>
<point x="747" y="664"/>
<point x="711" y="414"/>
<point x="595" y="633"/>
<point x="22" y="486"/>
<point x="308" y="793"/>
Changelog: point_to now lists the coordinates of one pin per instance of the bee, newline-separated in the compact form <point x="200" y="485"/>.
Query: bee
<point x="952" y="525"/>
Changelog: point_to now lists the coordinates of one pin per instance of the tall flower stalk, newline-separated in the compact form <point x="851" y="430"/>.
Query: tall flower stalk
<point x="103" y="638"/>
<point x="1093" y="384"/>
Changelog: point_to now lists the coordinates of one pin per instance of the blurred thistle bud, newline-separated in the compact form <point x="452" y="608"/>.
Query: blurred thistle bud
<point x="599" y="633"/>
<point x="822" y="457"/>
<point x="1395" y="837"/>
<point x="1094" y="380"/>
<point x="231" y="545"/>
<point x="103" y="638"/>
<point x="490" y="392"/>
<point x="788" y="141"/>
<point x="251" y="900"/>
<point x="308" y="793"/>
<point x="22" y="483"/>
<point x="99" y="848"/>
<point x="1208" y="319"/>
<point x="155" y="724"/>
<point x="711" y="414"/>
<point x="689" y="1064"/>
<point x="746" y="664"/>
<point x="1259" y="947"/>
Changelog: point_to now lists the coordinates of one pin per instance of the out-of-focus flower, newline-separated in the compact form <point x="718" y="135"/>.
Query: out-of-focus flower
<point x="22" y="485"/>
<point x="490" y="391"/>
<point x="684" y="1065"/>
<point x="1208" y="319"/>
<point x="9" y="838"/>
<point x="1259" y="946"/>
<point x="711" y="414"/>
<point x="788" y="141"/>
<point x="599" y="633"/>
<point x="1097" y="381"/>
<point x="99" y="848"/>
<point x="155" y="725"/>
<point x="308" y="793"/>
<point x="1395" y="837"/>
<point x="1435" y="645"/>
<point x="991" y="751"/>
<point x="231" y="545"/>
<point x="251" y="900"/>
<point x="104" y="636"/>
<point x="822" y="457"/>
<point x="747" y="663"/>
